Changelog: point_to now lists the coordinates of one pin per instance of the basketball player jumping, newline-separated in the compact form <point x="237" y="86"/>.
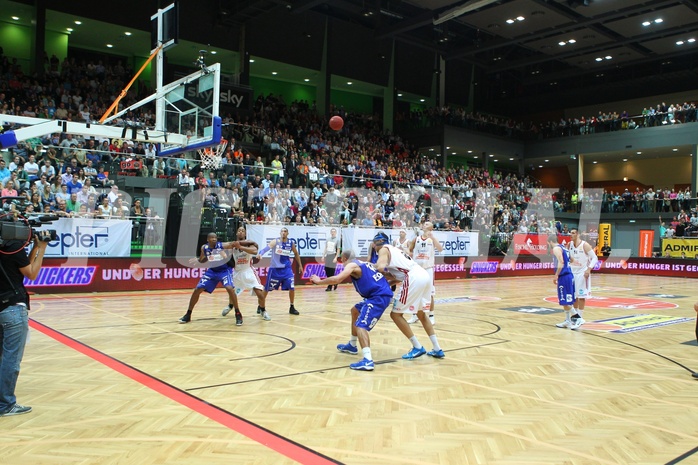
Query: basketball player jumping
<point x="583" y="260"/>
<point x="423" y="249"/>
<point x="214" y="255"/>
<point x="281" y="267"/>
<point x="412" y="295"/>
<point x="245" y="276"/>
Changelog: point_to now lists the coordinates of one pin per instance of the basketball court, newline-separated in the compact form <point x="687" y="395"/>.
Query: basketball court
<point x="113" y="378"/>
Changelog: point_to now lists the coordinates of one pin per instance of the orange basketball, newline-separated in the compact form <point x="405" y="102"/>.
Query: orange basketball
<point x="136" y="271"/>
<point x="336" y="123"/>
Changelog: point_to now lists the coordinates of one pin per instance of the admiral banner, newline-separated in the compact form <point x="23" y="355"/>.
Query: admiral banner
<point x="604" y="236"/>
<point x="680" y="247"/>
<point x="83" y="237"/>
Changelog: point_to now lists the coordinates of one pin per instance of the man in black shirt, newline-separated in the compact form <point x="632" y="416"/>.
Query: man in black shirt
<point x="14" y="319"/>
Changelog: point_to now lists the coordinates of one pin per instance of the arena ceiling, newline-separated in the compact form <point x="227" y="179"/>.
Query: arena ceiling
<point x="563" y="50"/>
<point x="547" y="39"/>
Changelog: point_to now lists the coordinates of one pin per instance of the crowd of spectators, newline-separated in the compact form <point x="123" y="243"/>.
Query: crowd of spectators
<point x="659" y="115"/>
<point x="303" y="173"/>
<point x="636" y="200"/>
<point x="361" y="175"/>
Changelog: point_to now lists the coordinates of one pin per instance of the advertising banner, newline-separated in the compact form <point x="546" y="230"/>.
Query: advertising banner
<point x="535" y="244"/>
<point x="124" y="274"/>
<point x="646" y="241"/>
<point x="111" y="274"/>
<point x="680" y="247"/>
<point x="604" y="236"/>
<point x="309" y="240"/>
<point x="455" y="244"/>
<point x="231" y="99"/>
<point x="84" y="237"/>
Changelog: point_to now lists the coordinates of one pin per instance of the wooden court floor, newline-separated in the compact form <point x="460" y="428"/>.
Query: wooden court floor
<point x="114" y="379"/>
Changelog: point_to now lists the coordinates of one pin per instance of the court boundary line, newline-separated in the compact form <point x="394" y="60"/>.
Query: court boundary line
<point x="683" y="456"/>
<point x="257" y="433"/>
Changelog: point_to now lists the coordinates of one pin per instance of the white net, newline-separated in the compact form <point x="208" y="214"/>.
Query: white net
<point x="212" y="157"/>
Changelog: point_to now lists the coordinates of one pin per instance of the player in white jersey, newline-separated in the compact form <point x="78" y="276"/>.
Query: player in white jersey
<point x="413" y="292"/>
<point x="403" y="243"/>
<point x="423" y="250"/>
<point x="245" y="277"/>
<point x="582" y="261"/>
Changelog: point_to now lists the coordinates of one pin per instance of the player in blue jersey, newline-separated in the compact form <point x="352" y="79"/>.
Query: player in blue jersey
<point x="374" y="288"/>
<point x="215" y="257"/>
<point x="281" y="267"/>
<point x="564" y="280"/>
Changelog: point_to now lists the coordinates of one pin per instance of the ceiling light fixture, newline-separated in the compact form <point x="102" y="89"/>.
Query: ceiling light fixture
<point x="78" y="22"/>
<point x="16" y="18"/>
<point x="128" y="34"/>
<point x="460" y="10"/>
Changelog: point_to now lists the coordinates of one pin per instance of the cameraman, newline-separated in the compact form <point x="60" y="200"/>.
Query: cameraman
<point x="14" y="321"/>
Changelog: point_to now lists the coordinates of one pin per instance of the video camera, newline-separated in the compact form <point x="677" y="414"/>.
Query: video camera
<point x="20" y="228"/>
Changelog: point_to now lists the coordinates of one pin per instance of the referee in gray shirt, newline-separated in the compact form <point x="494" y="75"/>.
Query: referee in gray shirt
<point x="332" y="249"/>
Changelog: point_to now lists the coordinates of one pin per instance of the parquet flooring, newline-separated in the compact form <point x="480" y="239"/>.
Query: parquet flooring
<point x="114" y="379"/>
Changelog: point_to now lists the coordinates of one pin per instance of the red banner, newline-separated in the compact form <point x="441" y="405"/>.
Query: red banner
<point x="646" y="243"/>
<point x="530" y="244"/>
<point x="535" y="244"/>
<point x="123" y="274"/>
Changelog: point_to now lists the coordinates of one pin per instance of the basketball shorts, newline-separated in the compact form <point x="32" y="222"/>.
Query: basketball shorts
<point x="371" y="310"/>
<point x="247" y="279"/>
<point x="414" y="291"/>
<point x="582" y="286"/>
<point x="209" y="281"/>
<point x="565" y="289"/>
<point x="279" y="278"/>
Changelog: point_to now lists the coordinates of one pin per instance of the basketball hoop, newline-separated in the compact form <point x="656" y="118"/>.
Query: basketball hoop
<point x="212" y="157"/>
